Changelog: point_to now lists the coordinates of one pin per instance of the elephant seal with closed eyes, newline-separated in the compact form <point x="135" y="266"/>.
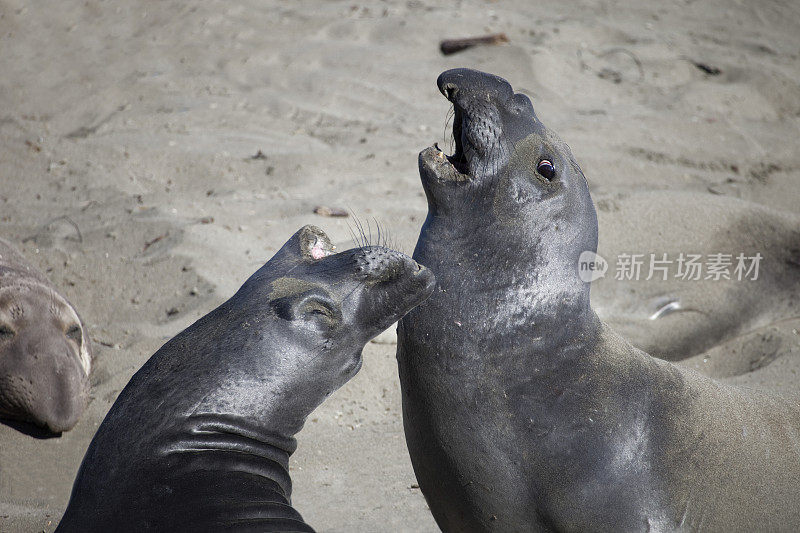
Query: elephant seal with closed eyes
<point x="200" y="438"/>
<point x="522" y="411"/>
<point x="45" y="352"/>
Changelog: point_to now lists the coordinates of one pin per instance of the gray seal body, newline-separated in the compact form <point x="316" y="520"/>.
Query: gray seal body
<point x="45" y="352"/>
<point x="200" y="438"/>
<point x="522" y="411"/>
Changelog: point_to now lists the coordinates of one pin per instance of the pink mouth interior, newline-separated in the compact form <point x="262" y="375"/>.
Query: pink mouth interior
<point x="317" y="252"/>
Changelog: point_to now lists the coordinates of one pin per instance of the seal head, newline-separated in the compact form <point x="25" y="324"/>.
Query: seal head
<point x="332" y="299"/>
<point x="514" y="183"/>
<point x="45" y="353"/>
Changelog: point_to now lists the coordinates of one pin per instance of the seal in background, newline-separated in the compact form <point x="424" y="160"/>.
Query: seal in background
<point x="45" y="352"/>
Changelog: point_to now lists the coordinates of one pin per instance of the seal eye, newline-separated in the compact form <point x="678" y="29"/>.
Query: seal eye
<point x="5" y="332"/>
<point x="321" y="311"/>
<point x="74" y="333"/>
<point x="546" y="169"/>
<point x="322" y="308"/>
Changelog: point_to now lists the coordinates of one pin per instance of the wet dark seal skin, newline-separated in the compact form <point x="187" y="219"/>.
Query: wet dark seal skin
<point x="45" y="352"/>
<point x="200" y="438"/>
<point x="522" y="411"/>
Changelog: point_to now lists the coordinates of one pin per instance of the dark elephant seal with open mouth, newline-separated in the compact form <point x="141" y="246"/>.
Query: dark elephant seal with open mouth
<point x="45" y="353"/>
<point x="200" y="438"/>
<point x="522" y="411"/>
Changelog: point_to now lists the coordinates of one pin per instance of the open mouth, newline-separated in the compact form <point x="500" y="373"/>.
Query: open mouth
<point x="454" y="167"/>
<point x="459" y="158"/>
<point x="315" y="243"/>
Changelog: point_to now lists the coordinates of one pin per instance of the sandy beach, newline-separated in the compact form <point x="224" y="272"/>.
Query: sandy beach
<point x="154" y="155"/>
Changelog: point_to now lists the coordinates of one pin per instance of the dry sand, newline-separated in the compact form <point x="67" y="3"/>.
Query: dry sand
<point x="128" y="132"/>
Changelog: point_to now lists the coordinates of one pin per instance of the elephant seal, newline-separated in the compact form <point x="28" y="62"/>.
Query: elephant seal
<point x="522" y="411"/>
<point x="200" y="438"/>
<point x="45" y="353"/>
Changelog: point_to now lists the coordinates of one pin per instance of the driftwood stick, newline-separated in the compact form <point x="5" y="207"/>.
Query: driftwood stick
<point x="451" y="46"/>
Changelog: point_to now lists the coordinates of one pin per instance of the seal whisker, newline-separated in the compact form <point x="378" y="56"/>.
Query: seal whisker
<point x="448" y="132"/>
<point x="363" y="241"/>
<point x="378" y="231"/>
<point x="356" y="233"/>
<point x="352" y="233"/>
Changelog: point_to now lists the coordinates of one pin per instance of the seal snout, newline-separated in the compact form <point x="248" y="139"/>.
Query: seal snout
<point x="380" y="264"/>
<point x="460" y="83"/>
<point x="477" y="99"/>
<point x="51" y="400"/>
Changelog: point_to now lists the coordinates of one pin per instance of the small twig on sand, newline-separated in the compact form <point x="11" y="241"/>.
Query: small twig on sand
<point x="150" y="243"/>
<point x="326" y="211"/>
<point x="708" y="69"/>
<point x="451" y="46"/>
<point x="705" y="67"/>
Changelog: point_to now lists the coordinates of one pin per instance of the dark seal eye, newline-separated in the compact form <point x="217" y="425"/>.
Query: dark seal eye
<point x="6" y="332"/>
<point x="546" y="169"/>
<point x="74" y="333"/>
